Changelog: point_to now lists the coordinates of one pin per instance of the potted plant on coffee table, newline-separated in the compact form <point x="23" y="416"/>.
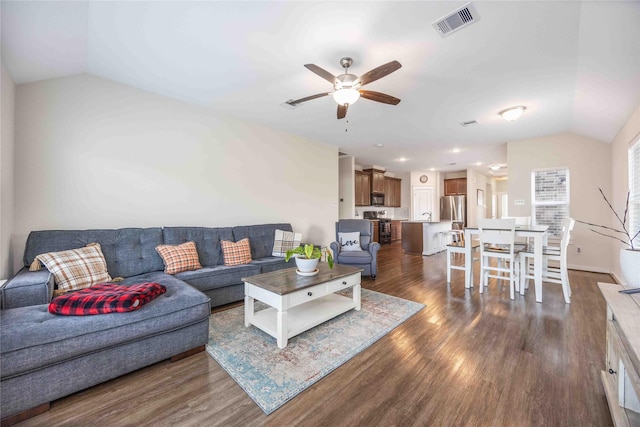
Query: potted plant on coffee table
<point x="307" y="258"/>
<point x="630" y="255"/>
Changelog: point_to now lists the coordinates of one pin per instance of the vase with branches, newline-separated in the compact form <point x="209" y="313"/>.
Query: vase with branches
<point x="624" y="235"/>
<point x="630" y="255"/>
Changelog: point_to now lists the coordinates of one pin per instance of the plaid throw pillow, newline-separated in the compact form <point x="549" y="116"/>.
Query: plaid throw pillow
<point x="284" y="241"/>
<point x="237" y="253"/>
<point x="178" y="258"/>
<point x="76" y="268"/>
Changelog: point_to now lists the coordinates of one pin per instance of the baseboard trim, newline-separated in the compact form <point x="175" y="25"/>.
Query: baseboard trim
<point x="25" y="415"/>
<point x="187" y="353"/>
<point x="589" y="268"/>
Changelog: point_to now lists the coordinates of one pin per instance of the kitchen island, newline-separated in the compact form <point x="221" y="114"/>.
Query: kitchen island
<point x="424" y="237"/>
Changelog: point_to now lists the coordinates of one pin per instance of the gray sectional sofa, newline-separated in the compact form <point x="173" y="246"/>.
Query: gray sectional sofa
<point x="44" y="357"/>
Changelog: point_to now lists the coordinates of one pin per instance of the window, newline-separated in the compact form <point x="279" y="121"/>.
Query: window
<point x="550" y="198"/>
<point x="634" y="191"/>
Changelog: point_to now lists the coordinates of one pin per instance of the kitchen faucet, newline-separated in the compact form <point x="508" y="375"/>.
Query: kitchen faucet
<point x="427" y="213"/>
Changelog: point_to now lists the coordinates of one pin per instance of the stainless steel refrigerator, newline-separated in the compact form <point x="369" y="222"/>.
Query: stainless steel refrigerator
<point x="453" y="208"/>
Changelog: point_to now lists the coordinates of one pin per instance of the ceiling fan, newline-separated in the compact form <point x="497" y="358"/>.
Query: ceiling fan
<point x="347" y="86"/>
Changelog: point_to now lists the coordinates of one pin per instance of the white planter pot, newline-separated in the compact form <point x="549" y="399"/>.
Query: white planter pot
<point x="306" y="265"/>
<point x="630" y="266"/>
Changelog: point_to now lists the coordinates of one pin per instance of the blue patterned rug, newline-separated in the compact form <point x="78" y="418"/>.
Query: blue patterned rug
<point x="272" y="376"/>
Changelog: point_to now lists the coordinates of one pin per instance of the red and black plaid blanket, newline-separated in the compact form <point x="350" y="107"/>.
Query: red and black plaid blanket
<point x="105" y="298"/>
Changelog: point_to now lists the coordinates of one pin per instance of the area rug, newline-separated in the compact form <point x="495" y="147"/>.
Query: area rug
<point x="272" y="376"/>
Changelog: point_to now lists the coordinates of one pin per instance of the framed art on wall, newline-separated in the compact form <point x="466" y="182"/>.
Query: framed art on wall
<point x="480" y="197"/>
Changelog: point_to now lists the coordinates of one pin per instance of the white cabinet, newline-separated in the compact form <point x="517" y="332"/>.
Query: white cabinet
<point x="620" y="377"/>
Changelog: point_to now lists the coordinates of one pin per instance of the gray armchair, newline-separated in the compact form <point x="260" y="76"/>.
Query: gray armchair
<point x="367" y="257"/>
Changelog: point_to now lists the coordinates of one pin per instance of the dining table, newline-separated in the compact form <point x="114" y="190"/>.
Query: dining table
<point x="538" y="235"/>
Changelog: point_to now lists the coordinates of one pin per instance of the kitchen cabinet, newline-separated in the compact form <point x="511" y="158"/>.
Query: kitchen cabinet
<point x="392" y="192"/>
<point x="396" y="230"/>
<point x="377" y="180"/>
<point x="456" y="186"/>
<point x="397" y="190"/>
<point x="363" y="188"/>
<point x="376" y="231"/>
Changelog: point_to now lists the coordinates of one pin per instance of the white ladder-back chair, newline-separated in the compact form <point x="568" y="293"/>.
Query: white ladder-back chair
<point x="556" y="273"/>
<point x="456" y="248"/>
<point x="497" y="241"/>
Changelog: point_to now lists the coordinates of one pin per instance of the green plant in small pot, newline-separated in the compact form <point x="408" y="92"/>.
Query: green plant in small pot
<point x="629" y="256"/>
<point x="307" y="258"/>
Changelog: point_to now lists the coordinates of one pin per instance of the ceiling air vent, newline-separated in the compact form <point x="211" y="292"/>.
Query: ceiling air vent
<point x="456" y="20"/>
<point x="468" y="123"/>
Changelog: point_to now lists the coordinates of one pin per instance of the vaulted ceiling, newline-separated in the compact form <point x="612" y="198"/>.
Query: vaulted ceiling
<point x="574" y="65"/>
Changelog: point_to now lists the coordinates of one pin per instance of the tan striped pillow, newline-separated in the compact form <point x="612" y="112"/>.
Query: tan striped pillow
<point x="179" y="258"/>
<point x="236" y="253"/>
<point x="77" y="268"/>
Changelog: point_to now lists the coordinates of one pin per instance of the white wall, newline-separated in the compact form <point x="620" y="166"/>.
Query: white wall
<point x="91" y="153"/>
<point x="589" y="164"/>
<point x="477" y="181"/>
<point x="347" y="190"/>
<point x="6" y="172"/>
<point x="629" y="133"/>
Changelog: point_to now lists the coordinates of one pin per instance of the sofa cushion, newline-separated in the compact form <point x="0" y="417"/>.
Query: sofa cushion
<point x="208" y="278"/>
<point x="32" y="338"/>
<point x="273" y="263"/>
<point x="207" y="241"/>
<point x="261" y="237"/>
<point x="76" y="269"/>
<point x="178" y="258"/>
<point x="354" y="257"/>
<point x="236" y="253"/>
<point x="127" y="251"/>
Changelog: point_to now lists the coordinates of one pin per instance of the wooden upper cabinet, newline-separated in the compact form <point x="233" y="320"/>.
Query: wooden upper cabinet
<point x="392" y="192"/>
<point x="363" y="188"/>
<point x="377" y="180"/>
<point x="455" y="186"/>
<point x="397" y="184"/>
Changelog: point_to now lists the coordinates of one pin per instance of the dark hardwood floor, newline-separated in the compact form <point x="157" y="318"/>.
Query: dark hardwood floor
<point x="466" y="359"/>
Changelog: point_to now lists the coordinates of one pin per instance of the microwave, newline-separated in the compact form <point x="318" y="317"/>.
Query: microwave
<point x="377" y="199"/>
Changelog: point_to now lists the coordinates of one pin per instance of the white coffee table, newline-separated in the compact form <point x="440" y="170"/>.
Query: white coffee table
<point x="299" y="303"/>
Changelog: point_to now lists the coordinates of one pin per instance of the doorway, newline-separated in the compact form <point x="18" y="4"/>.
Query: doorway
<point x="423" y="204"/>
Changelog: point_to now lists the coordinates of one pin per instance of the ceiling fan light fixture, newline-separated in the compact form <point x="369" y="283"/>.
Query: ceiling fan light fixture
<point x="346" y="96"/>
<point x="511" y="114"/>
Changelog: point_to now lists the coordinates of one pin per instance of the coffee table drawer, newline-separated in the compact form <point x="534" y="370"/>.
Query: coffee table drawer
<point x="345" y="282"/>
<point x="307" y="294"/>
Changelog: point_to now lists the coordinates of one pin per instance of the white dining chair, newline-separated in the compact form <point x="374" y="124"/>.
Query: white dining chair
<point x="556" y="272"/>
<point x="521" y="221"/>
<point x="497" y="242"/>
<point x="455" y="249"/>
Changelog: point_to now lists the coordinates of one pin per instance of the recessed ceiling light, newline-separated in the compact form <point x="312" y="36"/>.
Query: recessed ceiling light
<point x="402" y="159"/>
<point x="378" y="145"/>
<point x="495" y="167"/>
<point x="432" y="169"/>
<point x="478" y="163"/>
<point x="511" y="114"/>
<point x="455" y="150"/>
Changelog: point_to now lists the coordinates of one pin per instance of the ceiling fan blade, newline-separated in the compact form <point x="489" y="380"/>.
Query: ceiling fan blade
<point x="379" y="72"/>
<point x="322" y="73"/>
<point x="379" y="97"/>
<point x="342" y="111"/>
<point x="308" y="98"/>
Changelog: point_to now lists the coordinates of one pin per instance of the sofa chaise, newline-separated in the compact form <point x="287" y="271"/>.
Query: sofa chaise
<point x="44" y="357"/>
